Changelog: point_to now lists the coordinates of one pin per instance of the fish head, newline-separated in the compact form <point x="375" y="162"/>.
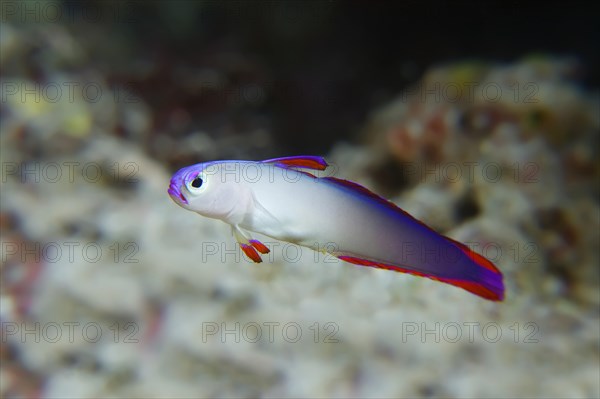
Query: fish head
<point x="205" y="189"/>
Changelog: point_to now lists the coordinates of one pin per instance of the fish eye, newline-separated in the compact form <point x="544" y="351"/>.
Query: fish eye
<point x="197" y="182"/>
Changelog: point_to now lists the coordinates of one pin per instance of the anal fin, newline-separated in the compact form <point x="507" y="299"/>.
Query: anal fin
<point x="480" y="288"/>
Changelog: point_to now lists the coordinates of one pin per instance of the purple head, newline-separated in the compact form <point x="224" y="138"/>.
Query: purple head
<point x="210" y="189"/>
<point x="179" y="180"/>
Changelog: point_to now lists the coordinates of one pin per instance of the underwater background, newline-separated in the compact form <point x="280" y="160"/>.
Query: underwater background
<point x="481" y="120"/>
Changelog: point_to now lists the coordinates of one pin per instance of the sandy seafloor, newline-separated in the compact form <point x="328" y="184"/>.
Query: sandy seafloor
<point x="111" y="290"/>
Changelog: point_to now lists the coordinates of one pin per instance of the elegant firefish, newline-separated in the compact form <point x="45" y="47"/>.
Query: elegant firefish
<point x="281" y="199"/>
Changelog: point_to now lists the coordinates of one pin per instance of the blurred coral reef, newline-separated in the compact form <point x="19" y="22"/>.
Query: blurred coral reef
<point x="514" y="173"/>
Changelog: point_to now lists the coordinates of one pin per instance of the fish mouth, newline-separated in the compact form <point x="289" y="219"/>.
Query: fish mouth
<point x="176" y="195"/>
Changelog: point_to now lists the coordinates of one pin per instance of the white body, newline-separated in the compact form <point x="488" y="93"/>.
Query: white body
<point x="277" y="199"/>
<point x="292" y="206"/>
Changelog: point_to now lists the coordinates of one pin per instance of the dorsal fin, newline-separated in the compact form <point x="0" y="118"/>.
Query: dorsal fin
<point x="365" y="191"/>
<point x="388" y="204"/>
<point x="475" y="257"/>
<point x="302" y="162"/>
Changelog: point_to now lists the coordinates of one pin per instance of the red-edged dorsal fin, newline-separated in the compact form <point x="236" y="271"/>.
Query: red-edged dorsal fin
<point x="365" y="191"/>
<point x="475" y="257"/>
<point x="303" y="162"/>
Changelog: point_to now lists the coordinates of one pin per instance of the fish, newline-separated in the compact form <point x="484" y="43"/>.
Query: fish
<point x="285" y="199"/>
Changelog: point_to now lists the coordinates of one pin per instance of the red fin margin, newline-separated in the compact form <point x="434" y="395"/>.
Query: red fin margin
<point x="304" y="162"/>
<point x="470" y="286"/>
<point x="251" y="253"/>
<point x="475" y="288"/>
<point x="260" y="247"/>
<point x="475" y="257"/>
<point x="369" y="263"/>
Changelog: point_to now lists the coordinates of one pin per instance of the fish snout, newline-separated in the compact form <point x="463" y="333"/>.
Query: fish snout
<point x="175" y="194"/>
